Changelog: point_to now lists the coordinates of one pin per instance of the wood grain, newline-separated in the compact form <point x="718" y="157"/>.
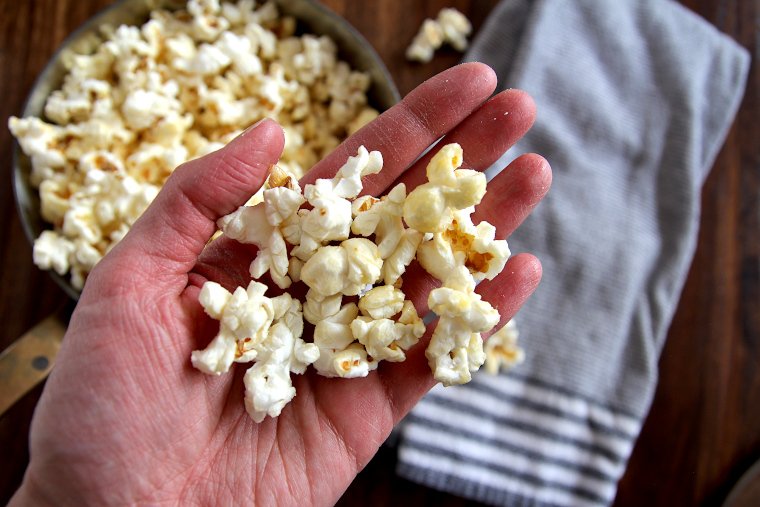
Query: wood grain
<point x="703" y="431"/>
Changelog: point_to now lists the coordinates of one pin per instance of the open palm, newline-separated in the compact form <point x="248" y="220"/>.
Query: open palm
<point x="125" y="419"/>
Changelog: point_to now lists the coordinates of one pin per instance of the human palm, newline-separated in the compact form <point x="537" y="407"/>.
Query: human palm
<point x="125" y="419"/>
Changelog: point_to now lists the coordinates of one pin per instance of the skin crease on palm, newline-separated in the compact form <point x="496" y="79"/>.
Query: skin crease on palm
<point x="125" y="419"/>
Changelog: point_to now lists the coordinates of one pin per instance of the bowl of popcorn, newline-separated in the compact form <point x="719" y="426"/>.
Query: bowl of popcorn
<point x="147" y="85"/>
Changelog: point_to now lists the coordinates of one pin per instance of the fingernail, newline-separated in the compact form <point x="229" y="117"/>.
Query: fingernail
<point x="252" y="127"/>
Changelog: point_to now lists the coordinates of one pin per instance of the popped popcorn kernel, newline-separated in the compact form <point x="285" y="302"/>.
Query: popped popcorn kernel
<point x="501" y="349"/>
<point x="325" y="272"/>
<point x="430" y="206"/>
<point x="397" y="244"/>
<point x="456" y="348"/>
<point x="318" y="307"/>
<point x="282" y="352"/>
<point x="244" y="315"/>
<point x="339" y="354"/>
<point x="330" y="217"/>
<point x="382" y="302"/>
<point x="450" y="26"/>
<point x="463" y="243"/>
<point x="383" y="337"/>
<point x="53" y="251"/>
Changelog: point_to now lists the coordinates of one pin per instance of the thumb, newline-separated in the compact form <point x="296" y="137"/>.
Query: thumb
<point x="176" y="227"/>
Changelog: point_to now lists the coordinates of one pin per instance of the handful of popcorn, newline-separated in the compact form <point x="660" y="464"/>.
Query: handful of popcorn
<point x="176" y="88"/>
<point x="351" y="253"/>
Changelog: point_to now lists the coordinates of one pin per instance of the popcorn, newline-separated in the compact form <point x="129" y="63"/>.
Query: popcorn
<point x="325" y="272"/>
<point x="142" y="108"/>
<point x="178" y="87"/>
<point x="38" y="140"/>
<point x="456" y="27"/>
<point x="54" y="200"/>
<point x="386" y="339"/>
<point x="378" y="338"/>
<point x="344" y="269"/>
<point x="255" y="327"/>
<point x="318" y="307"/>
<point x="501" y="349"/>
<point x="268" y="387"/>
<point x="352" y="362"/>
<point x="463" y="243"/>
<point x="208" y="60"/>
<point x="430" y="206"/>
<point x="207" y="25"/>
<point x="89" y="206"/>
<point x="382" y="302"/>
<point x="330" y="216"/>
<point x="428" y="39"/>
<point x="260" y="225"/>
<point x="350" y="339"/>
<point x="451" y="26"/>
<point x="395" y="265"/>
<point x="244" y="319"/>
<point x="52" y="251"/>
<point x="339" y="355"/>
<point x="456" y="348"/>
<point x="364" y="265"/>
<point x="396" y="244"/>
<point x="79" y="222"/>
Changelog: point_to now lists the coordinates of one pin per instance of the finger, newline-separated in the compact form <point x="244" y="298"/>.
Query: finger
<point x="176" y="226"/>
<point x="484" y="136"/>
<point x="408" y="128"/>
<point x="407" y="382"/>
<point x="509" y="291"/>
<point x="225" y="261"/>
<point x="512" y="195"/>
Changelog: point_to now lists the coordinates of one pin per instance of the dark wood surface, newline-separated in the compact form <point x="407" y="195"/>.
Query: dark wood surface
<point x="703" y="431"/>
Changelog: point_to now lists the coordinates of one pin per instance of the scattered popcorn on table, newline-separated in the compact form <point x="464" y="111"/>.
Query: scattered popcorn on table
<point x="451" y="26"/>
<point x="180" y="86"/>
<point x="351" y="337"/>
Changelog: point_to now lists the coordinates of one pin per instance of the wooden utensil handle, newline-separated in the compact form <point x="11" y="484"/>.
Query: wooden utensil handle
<point x="28" y="360"/>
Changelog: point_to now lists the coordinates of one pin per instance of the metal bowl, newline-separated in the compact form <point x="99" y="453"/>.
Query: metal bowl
<point x="311" y="16"/>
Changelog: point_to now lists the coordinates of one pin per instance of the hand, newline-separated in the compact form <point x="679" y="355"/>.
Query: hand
<point x="125" y="419"/>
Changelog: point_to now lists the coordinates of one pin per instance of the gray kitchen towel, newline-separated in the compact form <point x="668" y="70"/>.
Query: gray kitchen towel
<point x="635" y="98"/>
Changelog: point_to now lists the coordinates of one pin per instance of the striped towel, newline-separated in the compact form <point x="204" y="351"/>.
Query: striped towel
<point x="511" y="437"/>
<point x="635" y="98"/>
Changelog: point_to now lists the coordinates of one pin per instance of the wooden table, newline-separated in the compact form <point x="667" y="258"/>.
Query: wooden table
<point x="703" y="431"/>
